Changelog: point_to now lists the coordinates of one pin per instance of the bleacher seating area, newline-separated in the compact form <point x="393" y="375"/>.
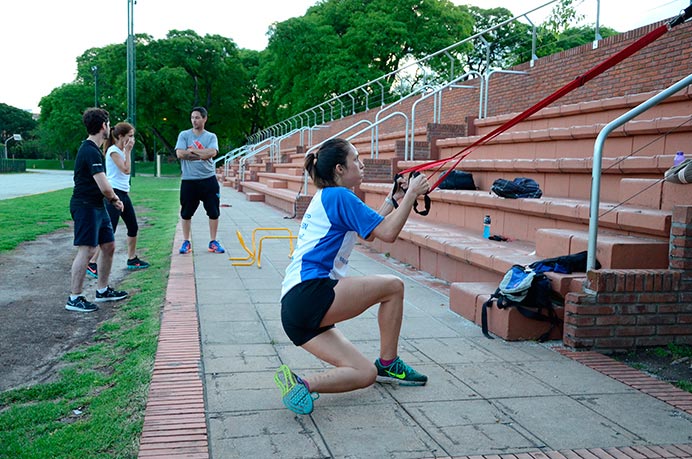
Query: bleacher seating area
<point x="643" y="288"/>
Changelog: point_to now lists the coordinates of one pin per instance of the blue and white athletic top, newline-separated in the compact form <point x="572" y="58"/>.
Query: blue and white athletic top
<point x="327" y="235"/>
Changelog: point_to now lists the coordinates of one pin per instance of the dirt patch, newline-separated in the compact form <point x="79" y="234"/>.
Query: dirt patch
<point x="36" y="329"/>
<point x="661" y="365"/>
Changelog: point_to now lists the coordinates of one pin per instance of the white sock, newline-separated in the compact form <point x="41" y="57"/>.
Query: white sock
<point x="102" y="290"/>
<point x="74" y="297"/>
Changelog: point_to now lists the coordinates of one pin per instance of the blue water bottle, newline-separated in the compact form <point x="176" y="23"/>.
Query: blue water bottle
<point x="679" y="158"/>
<point x="486" y="227"/>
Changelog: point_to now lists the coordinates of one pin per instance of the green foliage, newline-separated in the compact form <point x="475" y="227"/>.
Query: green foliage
<point x="106" y="380"/>
<point x="16" y="121"/>
<point x="60" y="126"/>
<point x="341" y="44"/>
<point x="500" y="44"/>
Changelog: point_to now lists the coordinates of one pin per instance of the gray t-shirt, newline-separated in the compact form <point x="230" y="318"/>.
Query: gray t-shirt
<point x="196" y="170"/>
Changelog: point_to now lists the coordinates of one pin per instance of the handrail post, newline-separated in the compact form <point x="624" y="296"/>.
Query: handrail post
<point x="598" y="159"/>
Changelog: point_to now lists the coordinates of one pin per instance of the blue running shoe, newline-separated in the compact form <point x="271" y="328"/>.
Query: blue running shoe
<point x="294" y="393"/>
<point x="92" y="270"/>
<point x="399" y="372"/>
<point x="215" y="247"/>
<point x="186" y="247"/>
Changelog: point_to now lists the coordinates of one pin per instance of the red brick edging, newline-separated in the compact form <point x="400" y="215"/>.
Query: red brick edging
<point x="626" y="452"/>
<point x="174" y="419"/>
<point x="634" y="378"/>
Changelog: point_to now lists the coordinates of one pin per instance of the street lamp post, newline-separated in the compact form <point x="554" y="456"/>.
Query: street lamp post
<point x="15" y="137"/>
<point x="95" y="71"/>
<point x="131" y="92"/>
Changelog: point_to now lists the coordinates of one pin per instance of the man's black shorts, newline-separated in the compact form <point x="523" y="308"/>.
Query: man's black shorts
<point x="193" y="191"/>
<point x="92" y="226"/>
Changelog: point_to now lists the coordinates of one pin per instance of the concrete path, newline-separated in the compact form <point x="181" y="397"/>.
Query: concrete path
<point x="484" y="398"/>
<point x="34" y="181"/>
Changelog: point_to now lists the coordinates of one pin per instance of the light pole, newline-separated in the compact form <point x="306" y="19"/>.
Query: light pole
<point x="15" y="137"/>
<point x="95" y="71"/>
<point x="131" y="92"/>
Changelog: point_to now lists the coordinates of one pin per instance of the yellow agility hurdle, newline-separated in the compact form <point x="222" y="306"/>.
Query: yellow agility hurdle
<point x="254" y="253"/>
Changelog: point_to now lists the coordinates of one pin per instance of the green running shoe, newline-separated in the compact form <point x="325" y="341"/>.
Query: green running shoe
<point x="399" y="372"/>
<point x="294" y="393"/>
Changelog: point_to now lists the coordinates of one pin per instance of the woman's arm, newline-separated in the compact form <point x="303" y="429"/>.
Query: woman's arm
<point x="122" y="163"/>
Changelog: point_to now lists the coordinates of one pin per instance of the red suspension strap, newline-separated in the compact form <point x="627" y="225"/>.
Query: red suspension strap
<point x="574" y="84"/>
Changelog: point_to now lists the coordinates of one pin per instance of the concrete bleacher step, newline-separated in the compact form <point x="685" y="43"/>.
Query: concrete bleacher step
<point x="467" y="298"/>
<point x="253" y="196"/>
<point x="281" y="198"/>
<point x="613" y="251"/>
<point x="289" y="169"/>
<point x="519" y="218"/>
<point x="274" y="183"/>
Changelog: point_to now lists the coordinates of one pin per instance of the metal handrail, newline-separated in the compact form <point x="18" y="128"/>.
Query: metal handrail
<point x="304" y="191"/>
<point x="486" y="77"/>
<point x="598" y="159"/>
<point x="375" y="138"/>
<point x="438" y="103"/>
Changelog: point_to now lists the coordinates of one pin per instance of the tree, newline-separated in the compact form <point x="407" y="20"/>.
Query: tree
<point x="16" y="121"/>
<point x="173" y="75"/>
<point x="60" y="126"/>
<point x="500" y="45"/>
<point x="341" y="44"/>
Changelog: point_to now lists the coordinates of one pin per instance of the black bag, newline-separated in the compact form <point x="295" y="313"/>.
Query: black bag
<point x="565" y="264"/>
<point x="520" y="187"/>
<point x="528" y="291"/>
<point x="458" y="180"/>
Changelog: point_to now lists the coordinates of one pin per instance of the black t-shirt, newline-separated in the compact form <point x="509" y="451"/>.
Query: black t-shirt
<point x="88" y="163"/>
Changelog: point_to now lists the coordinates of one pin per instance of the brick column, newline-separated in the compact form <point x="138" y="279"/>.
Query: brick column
<point x="636" y="308"/>
<point x="438" y="131"/>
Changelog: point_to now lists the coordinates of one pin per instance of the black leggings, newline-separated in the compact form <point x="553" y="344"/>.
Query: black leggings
<point x="128" y="214"/>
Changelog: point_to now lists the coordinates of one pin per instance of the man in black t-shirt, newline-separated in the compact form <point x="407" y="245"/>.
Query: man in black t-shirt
<point x="92" y="225"/>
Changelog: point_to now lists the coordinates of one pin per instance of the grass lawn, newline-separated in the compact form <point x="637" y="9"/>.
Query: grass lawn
<point x="95" y="408"/>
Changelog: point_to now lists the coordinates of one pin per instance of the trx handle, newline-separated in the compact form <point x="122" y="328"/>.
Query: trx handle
<point x="684" y="16"/>
<point x="426" y="198"/>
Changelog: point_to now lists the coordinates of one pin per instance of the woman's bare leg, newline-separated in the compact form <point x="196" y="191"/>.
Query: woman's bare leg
<point x="353" y="296"/>
<point x="352" y="370"/>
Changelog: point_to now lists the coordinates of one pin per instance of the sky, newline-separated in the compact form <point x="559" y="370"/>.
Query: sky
<point x="41" y="39"/>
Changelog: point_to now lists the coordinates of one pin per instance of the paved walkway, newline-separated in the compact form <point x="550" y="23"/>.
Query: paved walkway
<point x="34" y="181"/>
<point x="485" y="398"/>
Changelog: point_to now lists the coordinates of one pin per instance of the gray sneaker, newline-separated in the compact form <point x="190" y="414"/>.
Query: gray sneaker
<point x="110" y="295"/>
<point x="80" y="304"/>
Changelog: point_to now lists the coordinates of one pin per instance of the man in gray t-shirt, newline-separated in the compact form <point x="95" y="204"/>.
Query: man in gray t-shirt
<point x="196" y="149"/>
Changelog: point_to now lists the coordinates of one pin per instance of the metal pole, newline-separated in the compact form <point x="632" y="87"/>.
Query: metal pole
<point x="131" y="90"/>
<point x="95" y="71"/>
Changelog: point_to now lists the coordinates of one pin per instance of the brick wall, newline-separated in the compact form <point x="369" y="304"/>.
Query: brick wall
<point x="421" y="150"/>
<point x="437" y="131"/>
<point x="378" y="170"/>
<point x="636" y="308"/>
<point x="302" y="204"/>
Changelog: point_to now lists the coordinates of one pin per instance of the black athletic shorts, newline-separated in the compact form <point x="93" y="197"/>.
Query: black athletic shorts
<point x="304" y="307"/>
<point x="92" y="226"/>
<point x="193" y="191"/>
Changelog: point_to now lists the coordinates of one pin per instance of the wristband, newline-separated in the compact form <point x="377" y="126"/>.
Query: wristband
<point x="389" y="201"/>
